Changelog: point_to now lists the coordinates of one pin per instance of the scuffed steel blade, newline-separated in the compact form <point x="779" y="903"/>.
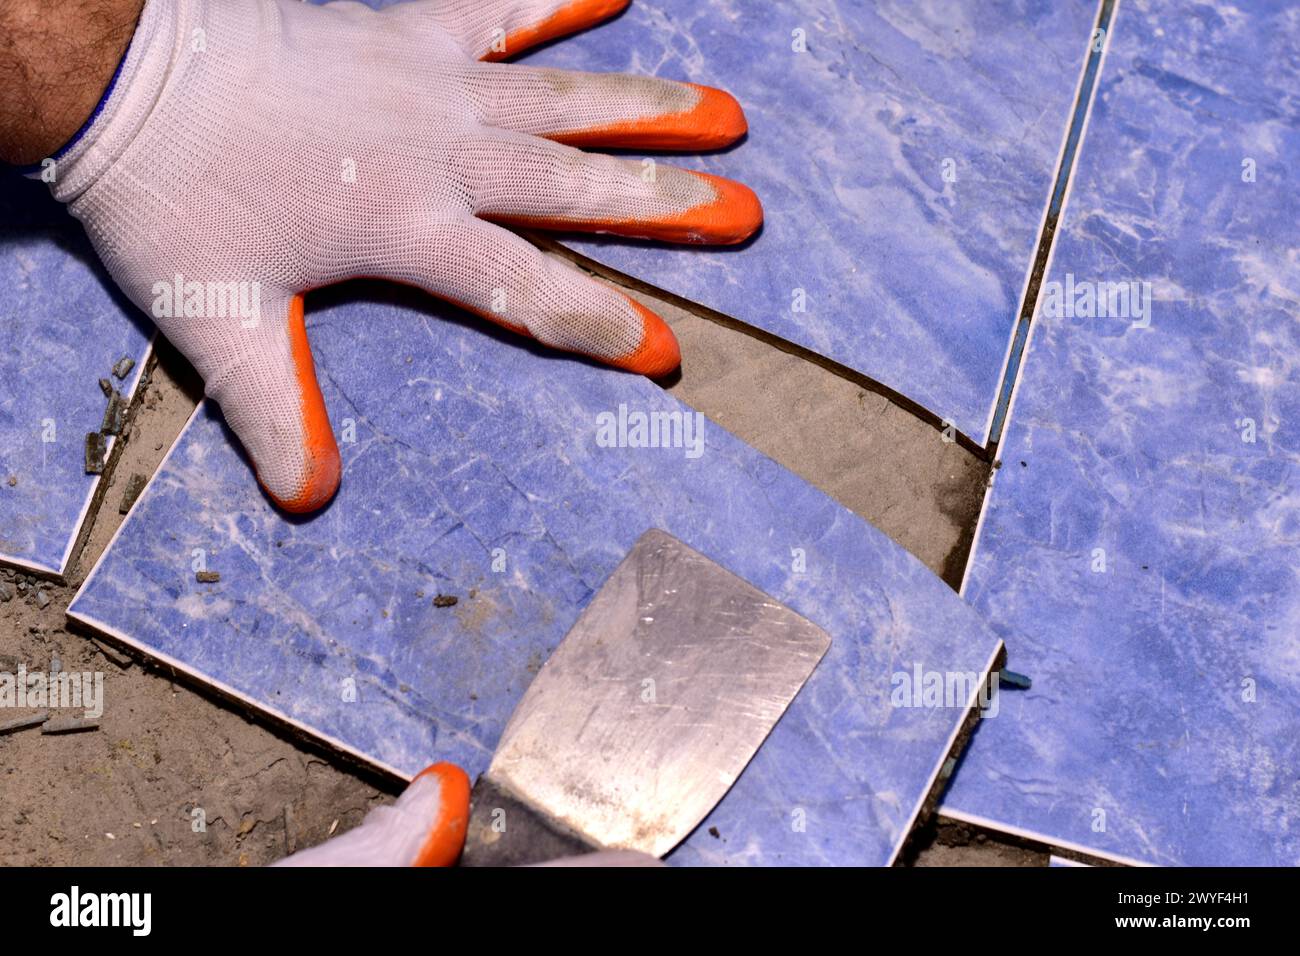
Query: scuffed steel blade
<point x="656" y="700"/>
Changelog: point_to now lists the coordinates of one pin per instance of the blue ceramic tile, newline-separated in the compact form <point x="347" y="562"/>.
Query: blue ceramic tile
<point x="909" y="278"/>
<point x="478" y="471"/>
<point x="1166" y="691"/>
<point x="64" y="325"/>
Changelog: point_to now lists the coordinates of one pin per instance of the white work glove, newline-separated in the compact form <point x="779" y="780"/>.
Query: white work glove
<point x="251" y="150"/>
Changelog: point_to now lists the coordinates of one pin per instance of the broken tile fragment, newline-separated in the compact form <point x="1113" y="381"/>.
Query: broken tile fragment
<point x="113" y="654"/>
<point x="69" y="725"/>
<point x="123" y="367"/>
<point x="96" y="452"/>
<point x="22" y="723"/>
<point x="134" y="485"/>
<point x="114" y="415"/>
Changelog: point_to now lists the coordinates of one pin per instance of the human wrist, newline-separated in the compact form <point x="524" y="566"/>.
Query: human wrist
<point x="56" y="62"/>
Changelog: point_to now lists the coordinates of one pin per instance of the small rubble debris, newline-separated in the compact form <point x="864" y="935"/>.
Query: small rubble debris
<point x="112" y="653"/>
<point x="134" y="485"/>
<point x="207" y="577"/>
<point x="106" y="387"/>
<point x="69" y="725"/>
<point x="13" y="481"/>
<point x="445" y="600"/>
<point x="123" y="367"/>
<point x="96" y="450"/>
<point x="114" y="415"/>
<point x="42" y="599"/>
<point x="6" y="592"/>
<point x="22" y="723"/>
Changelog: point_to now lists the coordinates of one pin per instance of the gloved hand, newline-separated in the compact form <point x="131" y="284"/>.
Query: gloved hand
<point x="426" y="827"/>
<point x="251" y="150"/>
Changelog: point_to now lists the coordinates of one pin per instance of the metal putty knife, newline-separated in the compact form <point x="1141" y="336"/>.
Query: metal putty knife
<point x="645" y="715"/>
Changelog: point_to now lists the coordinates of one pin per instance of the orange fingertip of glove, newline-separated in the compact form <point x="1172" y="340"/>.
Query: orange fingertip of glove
<point x="658" y="354"/>
<point x="447" y="832"/>
<point x="716" y="120"/>
<point x="570" y="18"/>
<point x="731" y="217"/>
<point x="323" y="468"/>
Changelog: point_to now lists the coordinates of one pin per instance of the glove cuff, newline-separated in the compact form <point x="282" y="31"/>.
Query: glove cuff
<point x="126" y="104"/>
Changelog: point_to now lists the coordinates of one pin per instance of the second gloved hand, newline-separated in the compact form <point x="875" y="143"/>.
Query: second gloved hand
<point x="251" y="150"/>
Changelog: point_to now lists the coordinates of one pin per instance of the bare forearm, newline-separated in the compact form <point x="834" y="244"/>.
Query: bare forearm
<point x="56" y="59"/>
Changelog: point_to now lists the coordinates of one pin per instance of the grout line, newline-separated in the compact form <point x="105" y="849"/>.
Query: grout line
<point x="1025" y="327"/>
<point x="1055" y="207"/>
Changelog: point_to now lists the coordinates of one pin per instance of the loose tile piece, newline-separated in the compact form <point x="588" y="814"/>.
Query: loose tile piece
<point x="481" y="467"/>
<point x="1143" y="535"/>
<point x="904" y="154"/>
<point x="65" y="326"/>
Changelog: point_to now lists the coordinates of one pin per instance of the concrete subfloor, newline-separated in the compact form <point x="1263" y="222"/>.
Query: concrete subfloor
<point x="174" y="776"/>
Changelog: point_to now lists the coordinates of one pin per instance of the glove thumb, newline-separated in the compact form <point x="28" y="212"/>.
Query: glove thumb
<point x="266" y="386"/>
